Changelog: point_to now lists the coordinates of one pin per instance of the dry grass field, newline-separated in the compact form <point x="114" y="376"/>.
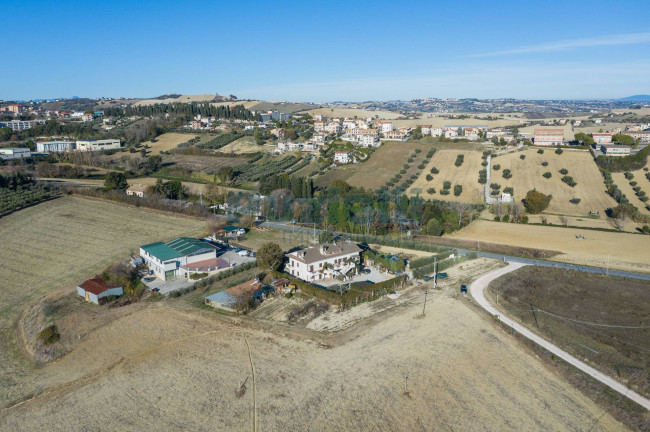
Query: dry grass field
<point x="181" y="369"/>
<point x="180" y="99"/>
<point x="625" y="187"/>
<point x="383" y="164"/>
<point x="244" y="145"/>
<point x="587" y="298"/>
<point x="628" y="251"/>
<point x="527" y="175"/>
<point x="56" y="245"/>
<point x="354" y="112"/>
<point x="466" y="175"/>
<point x="168" y="141"/>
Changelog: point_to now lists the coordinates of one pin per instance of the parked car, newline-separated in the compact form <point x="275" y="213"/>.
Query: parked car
<point x="463" y="289"/>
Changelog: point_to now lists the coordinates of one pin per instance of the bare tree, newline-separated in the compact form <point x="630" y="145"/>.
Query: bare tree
<point x="461" y="208"/>
<point x="499" y="209"/>
<point x="564" y="220"/>
<point x="516" y="210"/>
<point x="619" y="222"/>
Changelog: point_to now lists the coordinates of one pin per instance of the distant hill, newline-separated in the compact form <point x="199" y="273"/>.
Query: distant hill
<point x="636" y="98"/>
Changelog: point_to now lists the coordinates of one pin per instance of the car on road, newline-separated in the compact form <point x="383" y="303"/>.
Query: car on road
<point x="463" y="289"/>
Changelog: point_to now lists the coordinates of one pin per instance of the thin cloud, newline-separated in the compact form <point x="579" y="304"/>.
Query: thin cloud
<point x="622" y="39"/>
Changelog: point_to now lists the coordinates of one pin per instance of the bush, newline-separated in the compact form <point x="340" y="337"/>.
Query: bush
<point x="564" y="171"/>
<point x="49" y="335"/>
<point x="429" y="177"/>
<point x="633" y="183"/>
<point x="575" y="200"/>
<point x="544" y="163"/>
<point x="484" y="163"/>
<point x="497" y="219"/>
<point x="524" y="219"/>
<point x="547" y="175"/>
<point x="422" y="166"/>
<point x="496" y="167"/>
<point x="629" y="175"/>
<point x="540" y="151"/>
<point x="434" y="170"/>
<point x="431" y="191"/>
<point x="509" y="190"/>
<point x="506" y="218"/>
<point x="522" y="157"/>
<point x="197" y="276"/>
<point x="558" y="151"/>
<point x="446" y="184"/>
<point x="458" y="189"/>
<point x="482" y="176"/>
<point x="507" y="174"/>
<point x="569" y="180"/>
<point x="444" y="192"/>
<point x="459" y="160"/>
<point x="495" y="186"/>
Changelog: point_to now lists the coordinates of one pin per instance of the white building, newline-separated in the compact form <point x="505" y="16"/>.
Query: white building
<point x="55" y="146"/>
<point x="18" y="125"/>
<point x="319" y="137"/>
<point x="349" y="124"/>
<point x="342" y="157"/>
<point x="368" y="140"/>
<point x="436" y="131"/>
<point x="96" y="290"/>
<point x="386" y="126"/>
<point x="8" y="153"/>
<point x="319" y="125"/>
<point x="333" y="127"/>
<point x="96" y="145"/>
<point x="173" y="259"/>
<point x="137" y="190"/>
<point x="426" y="129"/>
<point x="396" y="135"/>
<point x="324" y="261"/>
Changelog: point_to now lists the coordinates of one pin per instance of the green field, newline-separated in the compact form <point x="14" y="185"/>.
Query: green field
<point x="56" y="245"/>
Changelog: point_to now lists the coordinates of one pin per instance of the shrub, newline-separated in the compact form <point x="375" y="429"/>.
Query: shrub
<point x="536" y="202"/>
<point x="569" y="180"/>
<point x="636" y="188"/>
<point x="547" y="175"/>
<point x="403" y="171"/>
<point x="558" y="151"/>
<point x="417" y="151"/>
<point x="495" y="186"/>
<point x="458" y="189"/>
<point x="446" y="184"/>
<point x="509" y="190"/>
<point x="540" y="151"/>
<point x="484" y="163"/>
<point x="197" y="276"/>
<point x="496" y="167"/>
<point x="544" y="163"/>
<point x="444" y="192"/>
<point x="633" y="183"/>
<point x="422" y="166"/>
<point x="497" y="219"/>
<point x="429" y="177"/>
<point x="522" y="157"/>
<point x="575" y="200"/>
<point x="434" y="170"/>
<point x="459" y="160"/>
<point x="494" y="192"/>
<point x="564" y="171"/>
<point x="506" y="218"/>
<point x="629" y="175"/>
<point x="431" y="191"/>
<point x="406" y="166"/>
<point x="644" y="198"/>
<point x="524" y="219"/>
<point x="507" y="174"/>
<point x="49" y="335"/>
<point x="482" y="176"/>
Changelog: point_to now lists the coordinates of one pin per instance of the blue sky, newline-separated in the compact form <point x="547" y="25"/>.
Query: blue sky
<point x="325" y="51"/>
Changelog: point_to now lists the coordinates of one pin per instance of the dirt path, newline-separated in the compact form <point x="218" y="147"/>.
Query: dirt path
<point x="250" y="358"/>
<point x="477" y="288"/>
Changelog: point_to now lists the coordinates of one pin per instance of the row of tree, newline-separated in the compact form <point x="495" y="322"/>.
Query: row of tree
<point x="188" y="110"/>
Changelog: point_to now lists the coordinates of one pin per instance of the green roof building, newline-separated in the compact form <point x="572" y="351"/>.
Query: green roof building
<point x="166" y="259"/>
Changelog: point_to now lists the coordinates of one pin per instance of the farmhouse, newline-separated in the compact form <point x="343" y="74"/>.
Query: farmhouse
<point x="97" y="290"/>
<point x="238" y="297"/>
<point x="95" y="145"/>
<point x="602" y="138"/>
<point x="324" y="261"/>
<point x="615" y="150"/>
<point x="137" y="190"/>
<point x="14" y="153"/>
<point x="342" y="157"/>
<point x="166" y="260"/>
<point x="55" y="146"/>
<point x="548" y="137"/>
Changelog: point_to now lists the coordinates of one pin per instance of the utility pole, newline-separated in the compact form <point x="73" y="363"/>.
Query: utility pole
<point x="426" y="290"/>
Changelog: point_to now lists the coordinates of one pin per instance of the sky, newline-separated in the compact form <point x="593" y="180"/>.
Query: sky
<point x="326" y="51"/>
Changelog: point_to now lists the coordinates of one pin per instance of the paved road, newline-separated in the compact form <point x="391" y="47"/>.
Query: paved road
<point x="477" y="289"/>
<point x="286" y="226"/>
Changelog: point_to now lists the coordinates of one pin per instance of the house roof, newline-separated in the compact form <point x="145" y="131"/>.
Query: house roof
<point x="137" y="188"/>
<point x="549" y="132"/>
<point x="96" y="286"/>
<point x="324" y="251"/>
<point x="229" y="297"/>
<point x="176" y="248"/>
<point x="231" y="228"/>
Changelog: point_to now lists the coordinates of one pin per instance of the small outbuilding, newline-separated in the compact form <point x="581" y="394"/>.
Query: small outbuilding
<point x="97" y="290"/>
<point x="236" y="298"/>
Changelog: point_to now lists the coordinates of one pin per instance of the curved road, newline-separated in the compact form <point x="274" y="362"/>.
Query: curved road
<point x="477" y="288"/>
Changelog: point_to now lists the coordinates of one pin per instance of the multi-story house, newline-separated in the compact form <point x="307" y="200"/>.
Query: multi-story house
<point x="324" y="261"/>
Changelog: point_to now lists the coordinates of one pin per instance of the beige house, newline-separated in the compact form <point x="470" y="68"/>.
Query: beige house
<point x="615" y="150"/>
<point x="324" y="261"/>
<point x="548" y="137"/>
<point x="137" y="190"/>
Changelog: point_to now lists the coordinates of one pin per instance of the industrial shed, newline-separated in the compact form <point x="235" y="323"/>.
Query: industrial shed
<point x="97" y="290"/>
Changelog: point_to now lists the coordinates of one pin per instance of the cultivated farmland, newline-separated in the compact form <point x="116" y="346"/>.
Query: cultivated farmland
<point x="168" y="141"/>
<point x="528" y="173"/>
<point x="383" y="164"/>
<point x="628" y="251"/>
<point x="625" y="187"/>
<point x="243" y="145"/>
<point x="54" y="246"/>
<point x="465" y="175"/>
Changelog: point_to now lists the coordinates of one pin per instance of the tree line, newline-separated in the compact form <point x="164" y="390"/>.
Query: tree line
<point x="188" y="110"/>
